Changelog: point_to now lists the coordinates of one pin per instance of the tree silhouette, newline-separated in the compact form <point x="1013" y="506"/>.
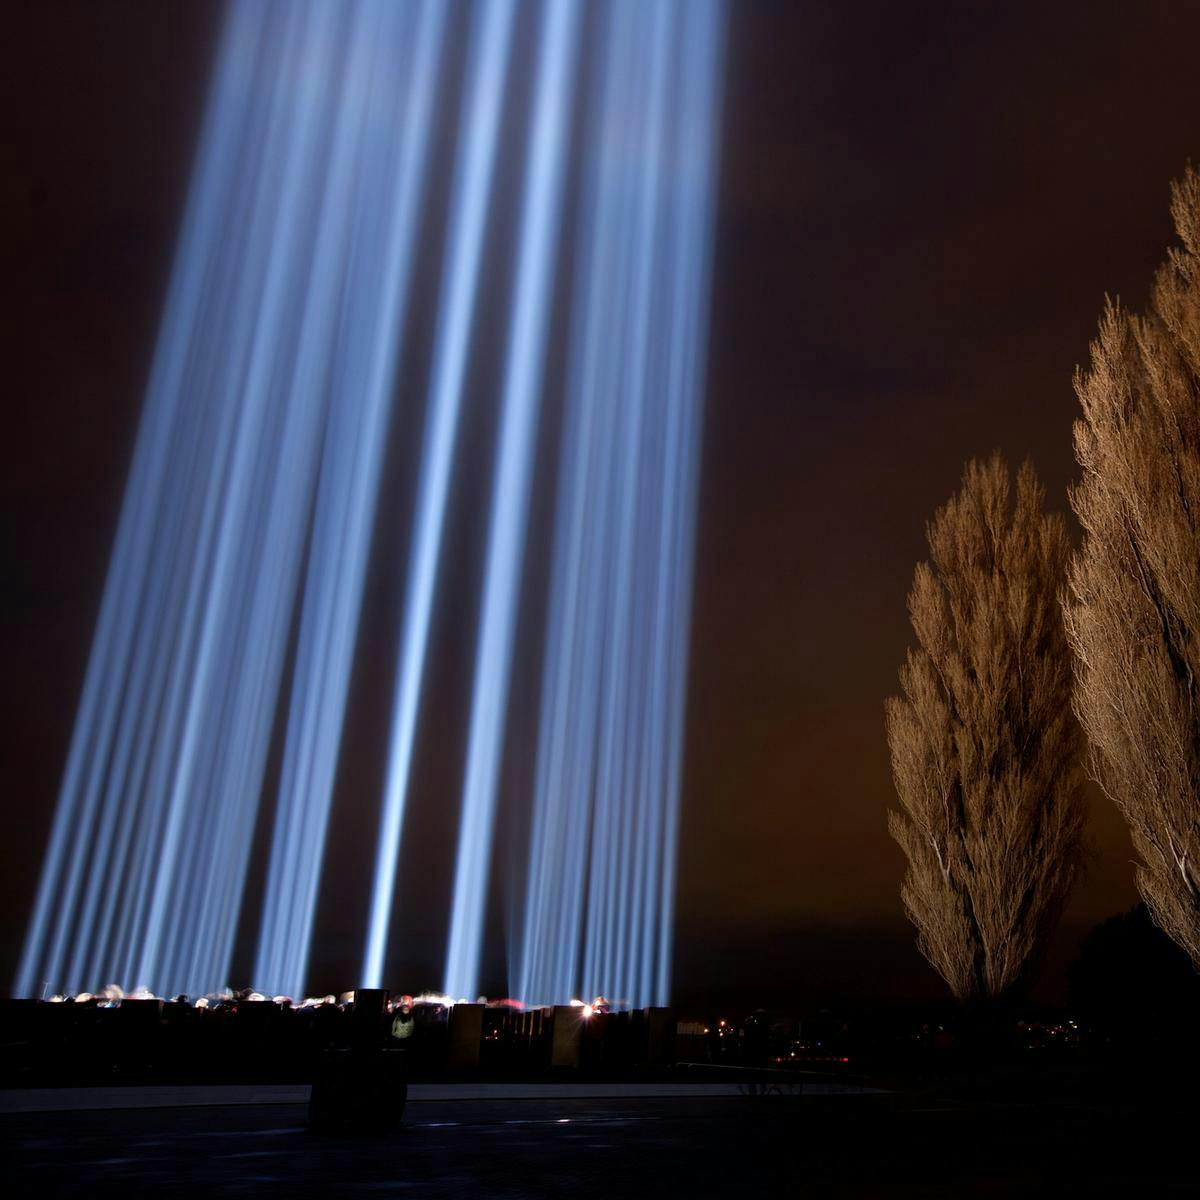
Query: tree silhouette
<point x="1133" y="612"/>
<point x="985" y="750"/>
<point x="1132" y="984"/>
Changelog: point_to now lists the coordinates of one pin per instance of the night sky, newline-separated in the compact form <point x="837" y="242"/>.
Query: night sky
<point x="921" y="208"/>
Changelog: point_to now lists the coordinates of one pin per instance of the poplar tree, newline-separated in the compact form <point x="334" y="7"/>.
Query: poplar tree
<point x="1133" y="607"/>
<point x="986" y="752"/>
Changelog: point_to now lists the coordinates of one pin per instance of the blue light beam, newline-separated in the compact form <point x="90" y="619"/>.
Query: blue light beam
<point x="521" y="395"/>
<point x="491" y="34"/>
<point x="404" y="43"/>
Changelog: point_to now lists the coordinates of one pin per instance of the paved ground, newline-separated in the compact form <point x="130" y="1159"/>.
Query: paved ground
<point x="608" y="1148"/>
<point x="33" y="1100"/>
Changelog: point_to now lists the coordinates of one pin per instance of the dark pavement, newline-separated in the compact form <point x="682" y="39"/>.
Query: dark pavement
<point x="601" y="1148"/>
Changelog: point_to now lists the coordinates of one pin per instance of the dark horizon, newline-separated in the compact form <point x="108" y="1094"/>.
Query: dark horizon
<point x="920" y="214"/>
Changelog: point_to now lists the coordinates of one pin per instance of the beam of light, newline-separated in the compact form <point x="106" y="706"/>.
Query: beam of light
<point x="624" y="720"/>
<point x="695" y="169"/>
<point x="222" y="340"/>
<point x="521" y="393"/>
<point x="576" y="640"/>
<point x="249" y="588"/>
<point x="151" y="525"/>
<point x="271" y="373"/>
<point x="391" y="169"/>
<point x="254" y="481"/>
<point x="603" y="834"/>
<point x="491" y="33"/>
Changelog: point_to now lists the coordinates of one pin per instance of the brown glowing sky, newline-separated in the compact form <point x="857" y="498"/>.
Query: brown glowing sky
<point x="921" y="209"/>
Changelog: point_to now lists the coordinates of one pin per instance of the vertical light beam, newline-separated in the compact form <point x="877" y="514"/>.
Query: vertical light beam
<point x="153" y="525"/>
<point x="691" y="291"/>
<point x="260" y="450"/>
<point x="576" y="633"/>
<point x="521" y="394"/>
<point x="391" y="168"/>
<point x="248" y="591"/>
<point x="475" y="158"/>
<point x="605" y="810"/>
